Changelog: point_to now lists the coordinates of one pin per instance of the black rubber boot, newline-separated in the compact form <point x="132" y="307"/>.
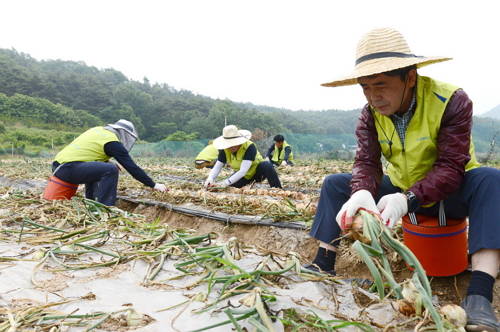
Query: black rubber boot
<point x="315" y="268"/>
<point x="480" y="314"/>
<point x="324" y="262"/>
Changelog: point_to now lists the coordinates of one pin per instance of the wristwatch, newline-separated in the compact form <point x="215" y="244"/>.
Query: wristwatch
<point x="412" y="200"/>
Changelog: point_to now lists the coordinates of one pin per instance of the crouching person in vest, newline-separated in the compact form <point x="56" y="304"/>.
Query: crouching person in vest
<point x="280" y="153"/>
<point x="86" y="161"/>
<point x="423" y="129"/>
<point x="207" y="157"/>
<point x="236" y="150"/>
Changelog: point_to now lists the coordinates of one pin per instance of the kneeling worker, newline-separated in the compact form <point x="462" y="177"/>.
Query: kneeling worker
<point x="207" y="157"/>
<point x="280" y="152"/>
<point x="236" y="149"/>
<point x="85" y="161"/>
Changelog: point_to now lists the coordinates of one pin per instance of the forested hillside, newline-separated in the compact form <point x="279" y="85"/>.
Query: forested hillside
<point x="158" y="109"/>
<point x="71" y="96"/>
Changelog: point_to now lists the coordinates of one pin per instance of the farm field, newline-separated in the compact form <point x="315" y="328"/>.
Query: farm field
<point x="188" y="259"/>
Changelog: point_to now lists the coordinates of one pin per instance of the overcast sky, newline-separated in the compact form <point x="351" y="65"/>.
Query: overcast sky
<point x="266" y="52"/>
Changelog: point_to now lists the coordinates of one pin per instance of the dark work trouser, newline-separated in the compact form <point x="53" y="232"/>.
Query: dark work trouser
<point x="265" y="170"/>
<point x="100" y="178"/>
<point x="478" y="198"/>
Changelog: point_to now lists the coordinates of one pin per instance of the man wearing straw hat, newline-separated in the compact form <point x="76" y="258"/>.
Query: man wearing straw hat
<point x="236" y="150"/>
<point x="423" y="129"/>
<point x="85" y="160"/>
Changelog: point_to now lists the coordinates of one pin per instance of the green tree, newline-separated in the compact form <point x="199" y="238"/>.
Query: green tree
<point x="161" y="130"/>
<point x="180" y="135"/>
<point x="114" y="113"/>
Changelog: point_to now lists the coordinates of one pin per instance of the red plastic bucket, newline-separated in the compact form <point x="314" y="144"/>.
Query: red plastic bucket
<point x="59" y="189"/>
<point x="442" y="250"/>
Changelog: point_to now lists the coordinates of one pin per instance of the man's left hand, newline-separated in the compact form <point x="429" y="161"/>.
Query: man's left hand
<point x="392" y="207"/>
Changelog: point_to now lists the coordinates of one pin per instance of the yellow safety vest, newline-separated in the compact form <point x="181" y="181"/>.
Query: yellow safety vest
<point x="234" y="160"/>
<point x="408" y="166"/>
<point x="279" y="157"/>
<point x="89" y="146"/>
<point x="209" y="153"/>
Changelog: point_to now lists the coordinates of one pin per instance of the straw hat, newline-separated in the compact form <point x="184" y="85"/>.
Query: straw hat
<point x="382" y="50"/>
<point x="231" y="136"/>
<point x="125" y="125"/>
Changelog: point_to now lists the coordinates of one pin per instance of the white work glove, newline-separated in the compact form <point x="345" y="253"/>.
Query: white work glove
<point x="160" y="187"/>
<point x="208" y="182"/>
<point x="286" y="163"/>
<point x="360" y="199"/>
<point x="392" y="207"/>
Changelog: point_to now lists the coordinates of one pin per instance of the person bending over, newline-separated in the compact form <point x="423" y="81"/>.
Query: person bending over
<point x="86" y="161"/>
<point x="236" y="150"/>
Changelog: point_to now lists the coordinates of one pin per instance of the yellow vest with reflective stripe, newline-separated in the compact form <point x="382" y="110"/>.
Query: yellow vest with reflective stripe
<point x="209" y="153"/>
<point x="234" y="160"/>
<point x="89" y="146"/>
<point x="408" y="166"/>
<point x="281" y="156"/>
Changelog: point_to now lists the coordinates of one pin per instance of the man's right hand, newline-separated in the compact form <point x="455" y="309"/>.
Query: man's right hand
<point x="208" y="182"/>
<point x="160" y="187"/>
<point x="360" y="199"/>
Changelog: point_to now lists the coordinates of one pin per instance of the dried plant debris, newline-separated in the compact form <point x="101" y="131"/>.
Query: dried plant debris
<point x="65" y="253"/>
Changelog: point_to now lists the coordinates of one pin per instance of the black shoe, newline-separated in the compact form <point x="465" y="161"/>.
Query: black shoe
<point x="480" y="314"/>
<point x="315" y="268"/>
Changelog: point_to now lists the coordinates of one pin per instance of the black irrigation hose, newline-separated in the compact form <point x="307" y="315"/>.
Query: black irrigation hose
<point x="221" y="217"/>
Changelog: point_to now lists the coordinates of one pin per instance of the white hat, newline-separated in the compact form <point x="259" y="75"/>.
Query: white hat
<point x="231" y="136"/>
<point x="383" y="50"/>
<point x="125" y="125"/>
